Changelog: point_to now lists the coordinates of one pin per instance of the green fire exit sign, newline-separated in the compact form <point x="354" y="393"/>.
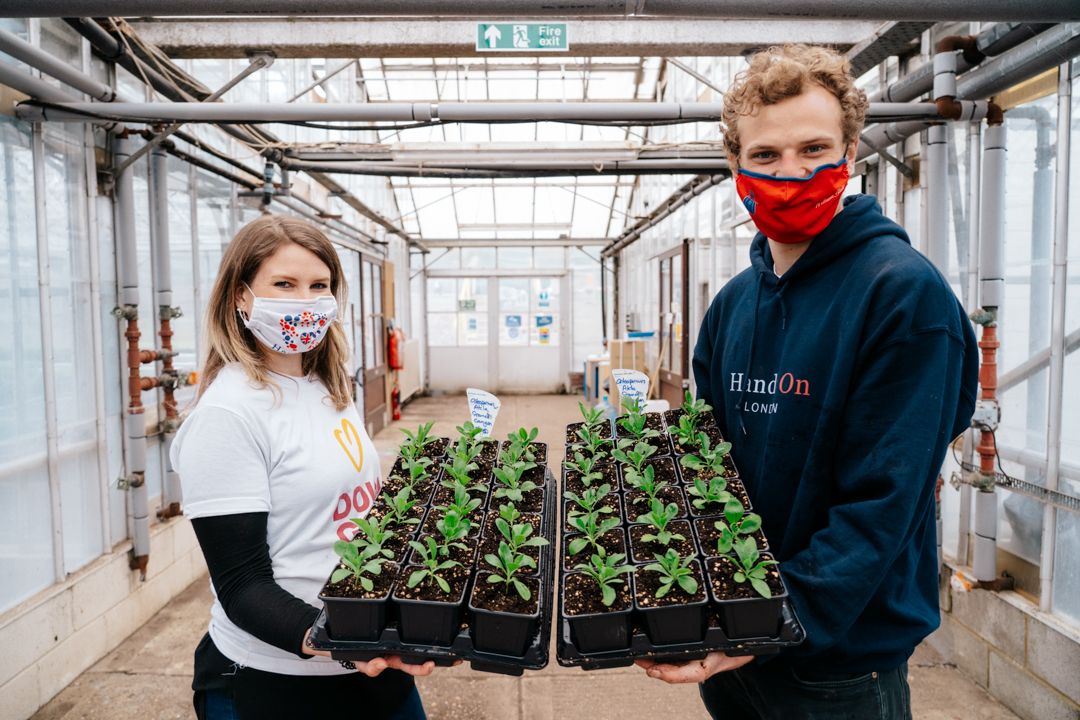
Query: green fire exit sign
<point x="522" y="37"/>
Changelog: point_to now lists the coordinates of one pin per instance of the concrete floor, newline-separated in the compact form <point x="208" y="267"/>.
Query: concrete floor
<point x="149" y="675"/>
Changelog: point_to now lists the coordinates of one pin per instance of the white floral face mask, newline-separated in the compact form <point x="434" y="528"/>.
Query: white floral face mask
<point x="289" y="325"/>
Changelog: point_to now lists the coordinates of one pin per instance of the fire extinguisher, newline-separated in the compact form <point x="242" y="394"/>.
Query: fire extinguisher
<point x="395" y="402"/>
<point x="393" y="352"/>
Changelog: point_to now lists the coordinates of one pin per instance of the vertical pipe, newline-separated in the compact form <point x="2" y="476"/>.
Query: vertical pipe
<point x="992" y="290"/>
<point x="162" y="274"/>
<point x="1057" y="334"/>
<point x="937" y="197"/>
<point x="134" y="422"/>
<point x="47" y="356"/>
<point x="1038" y="307"/>
<point x="972" y="283"/>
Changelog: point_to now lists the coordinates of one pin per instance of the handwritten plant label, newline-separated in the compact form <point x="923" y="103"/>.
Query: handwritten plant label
<point x="484" y="407"/>
<point x="632" y="384"/>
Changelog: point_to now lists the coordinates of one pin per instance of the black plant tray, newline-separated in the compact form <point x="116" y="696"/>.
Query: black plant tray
<point x="791" y="634"/>
<point x="390" y="642"/>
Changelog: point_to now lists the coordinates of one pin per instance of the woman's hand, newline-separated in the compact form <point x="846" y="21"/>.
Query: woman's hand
<point x="375" y="666"/>
<point x="695" y="671"/>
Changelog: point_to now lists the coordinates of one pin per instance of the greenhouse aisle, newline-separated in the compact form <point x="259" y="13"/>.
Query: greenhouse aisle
<point x="148" y="676"/>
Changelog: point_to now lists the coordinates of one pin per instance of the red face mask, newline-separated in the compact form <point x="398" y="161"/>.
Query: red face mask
<point x="793" y="210"/>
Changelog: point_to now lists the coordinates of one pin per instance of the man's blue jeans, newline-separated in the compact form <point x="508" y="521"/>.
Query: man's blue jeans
<point x="775" y="691"/>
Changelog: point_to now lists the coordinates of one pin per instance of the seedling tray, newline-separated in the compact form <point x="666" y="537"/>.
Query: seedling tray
<point x="390" y="642"/>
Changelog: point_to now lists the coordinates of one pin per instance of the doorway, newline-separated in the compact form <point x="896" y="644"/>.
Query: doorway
<point x="674" y="376"/>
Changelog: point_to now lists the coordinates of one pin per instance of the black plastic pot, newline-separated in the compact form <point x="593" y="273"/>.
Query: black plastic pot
<point x="755" y="617"/>
<point x="349" y="618"/>
<point x="603" y="631"/>
<point x="428" y="622"/>
<point x="502" y="632"/>
<point x="675" y="624"/>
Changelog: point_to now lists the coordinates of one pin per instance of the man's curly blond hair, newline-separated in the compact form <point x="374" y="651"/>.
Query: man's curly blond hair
<point x="783" y="72"/>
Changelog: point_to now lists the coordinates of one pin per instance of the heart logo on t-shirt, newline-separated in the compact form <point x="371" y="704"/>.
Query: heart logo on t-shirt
<point x="349" y="440"/>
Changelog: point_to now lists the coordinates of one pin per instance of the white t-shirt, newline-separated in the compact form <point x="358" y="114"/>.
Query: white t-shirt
<point x="291" y="455"/>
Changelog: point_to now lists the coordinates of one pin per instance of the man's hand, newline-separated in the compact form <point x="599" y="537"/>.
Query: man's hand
<point x="695" y="671"/>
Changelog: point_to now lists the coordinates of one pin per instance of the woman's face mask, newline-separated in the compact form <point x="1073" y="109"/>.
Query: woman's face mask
<point x="289" y="325"/>
<point x="793" y="210"/>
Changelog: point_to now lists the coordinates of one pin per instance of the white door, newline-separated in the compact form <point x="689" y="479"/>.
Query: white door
<point x="458" y="333"/>
<point x="530" y="335"/>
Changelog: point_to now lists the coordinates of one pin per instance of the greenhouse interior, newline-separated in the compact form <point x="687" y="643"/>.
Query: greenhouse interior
<point x="650" y="364"/>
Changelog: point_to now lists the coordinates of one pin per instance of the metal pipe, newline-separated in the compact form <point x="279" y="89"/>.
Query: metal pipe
<point x="1056" y="10"/>
<point x="991" y="291"/>
<point x="516" y="169"/>
<point x="321" y="80"/>
<point x="134" y="422"/>
<point x="1057" y="333"/>
<point x="37" y="58"/>
<point x="972" y="284"/>
<point x="161" y="264"/>
<point x="44" y="282"/>
<point x="937" y="197"/>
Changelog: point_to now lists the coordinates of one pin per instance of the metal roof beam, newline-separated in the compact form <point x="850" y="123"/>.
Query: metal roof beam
<point x="426" y="37"/>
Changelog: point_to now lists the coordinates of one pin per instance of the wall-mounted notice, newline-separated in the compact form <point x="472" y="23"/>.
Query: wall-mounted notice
<point x="632" y="384"/>
<point x="483" y="407"/>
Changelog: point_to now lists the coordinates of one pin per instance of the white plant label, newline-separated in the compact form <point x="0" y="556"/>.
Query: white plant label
<point x="632" y="384"/>
<point x="483" y="407"/>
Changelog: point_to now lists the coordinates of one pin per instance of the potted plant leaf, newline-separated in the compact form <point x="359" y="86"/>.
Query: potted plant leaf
<point x="598" y="602"/>
<point x="520" y="534"/>
<point x="697" y="411"/>
<point x="357" y="592"/>
<point x="505" y="603"/>
<point x="593" y="420"/>
<point x="510" y="485"/>
<point x="583" y="471"/>
<point x="429" y="604"/>
<point x="748" y="591"/>
<point x="590" y="530"/>
<point x="594" y="500"/>
<point x="658" y="530"/>
<point x="670" y="594"/>
<point x="637" y="426"/>
<point x="718" y="537"/>
<point x="710" y="460"/>
<point x="527" y="446"/>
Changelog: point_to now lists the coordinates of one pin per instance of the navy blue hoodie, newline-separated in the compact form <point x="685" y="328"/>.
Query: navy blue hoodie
<point x="840" y="385"/>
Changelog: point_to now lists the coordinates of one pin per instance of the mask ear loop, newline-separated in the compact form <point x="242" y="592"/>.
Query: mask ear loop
<point x="239" y="311"/>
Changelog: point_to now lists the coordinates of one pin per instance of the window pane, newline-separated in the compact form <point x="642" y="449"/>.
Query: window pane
<point x="481" y="258"/>
<point x="545" y="329"/>
<point x="515" y="258"/>
<point x="449" y="259"/>
<point x="472" y="295"/>
<point x="442" y="329"/>
<point x="549" y="257"/>
<point x="441" y="294"/>
<point x="473" y="329"/>
<point x="512" y="331"/>
<point x="514" y="295"/>
<point x="545" y="294"/>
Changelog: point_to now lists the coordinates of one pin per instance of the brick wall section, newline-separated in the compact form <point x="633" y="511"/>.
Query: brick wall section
<point x="1028" y="660"/>
<point x="53" y="637"/>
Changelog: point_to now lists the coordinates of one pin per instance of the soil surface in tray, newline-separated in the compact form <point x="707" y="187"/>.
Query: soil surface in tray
<point x="715" y="438"/>
<point x="539" y="451"/>
<point x="688" y="475"/>
<point x="421" y="489"/>
<point x="573" y="479"/>
<point x="611" y="500"/>
<point x="499" y="598"/>
<point x="444" y="495"/>
<point x="572" y="438"/>
<point x="381" y="510"/>
<point x="644" y="552"/>
<point x="637" y="503"/>
<point x="646" y="583"/>
<point x="465" y="557"/>
<point x="531" y="502"/>
<point x="672" y="417"/>
<point x="536" y="474"/>
<point x="613" y="541"/>
<point x="708" y="535"/>
<point x="492" y="537"/>
<point x="436" y="448"/>
<point x="663" y="471"/>
<point x="430" y="526"/>
<point x="428" y="589"/>
<point x="350" y="587"/>
<point x="722" y="577"/>
<point x="582" y="596"/>
<point x="489" y="451"/>
<point x="733" y="486"/>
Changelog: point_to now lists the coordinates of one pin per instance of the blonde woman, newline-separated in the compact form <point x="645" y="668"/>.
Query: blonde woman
<point x="272" y="445"/>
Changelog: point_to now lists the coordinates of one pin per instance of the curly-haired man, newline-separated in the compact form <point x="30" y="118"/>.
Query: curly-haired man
<point x="840" y="365"/>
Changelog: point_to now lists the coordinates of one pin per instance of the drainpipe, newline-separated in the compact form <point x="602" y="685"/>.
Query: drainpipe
<point x="972" y="283"/>
<point x="162" y="272"/>
<point x="991" y="291"/>
<point x="1057" y="333"/>
<point x="128" y="310"/>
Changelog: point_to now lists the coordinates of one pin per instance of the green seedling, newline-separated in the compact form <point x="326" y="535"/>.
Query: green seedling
<point x="674" y="570"/>
<point x="398" y="507"/>
<point x="430" y="564"/>
<point x="736" y="523"/>
<point x="373" y="534"/>
<point x="586" y="466"/>
<point x="710" y="492"/>
<point x="591" y="499"/>
<point x="453" y="528"/>
<point x="707" y="460"/>
<point x="595" y="445"/>
<point x="508" y="512"/>
<point x="694" y="409"/>
<point x="634" y="454"/>
<point x="359" y="562"/>
<point x="686" y="432"/>
<point x="469" y="434"/>
<point x="512" y="487"/>
<point x="459" y="474"/>
<point x="605" y="571"/>
<point x="518" y="536"/>
<point x="659" y="517"/>
<point x="645" y="482"/>
<point x="592" y="528"/>
<point x="751" y="567"/>
<point x="524" y="440"/>
<point x="507" y="566"/>
<point x="593" y="417"/>
<point x="418" y="470"/>
<point x="634" y="423"/>
<point x="463" y="503"/>
<point x="415" y="441"/>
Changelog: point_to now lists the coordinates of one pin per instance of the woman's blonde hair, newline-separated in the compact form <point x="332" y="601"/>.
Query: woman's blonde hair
<point x="228" y="341"/>
<point x="783" y="72"/>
